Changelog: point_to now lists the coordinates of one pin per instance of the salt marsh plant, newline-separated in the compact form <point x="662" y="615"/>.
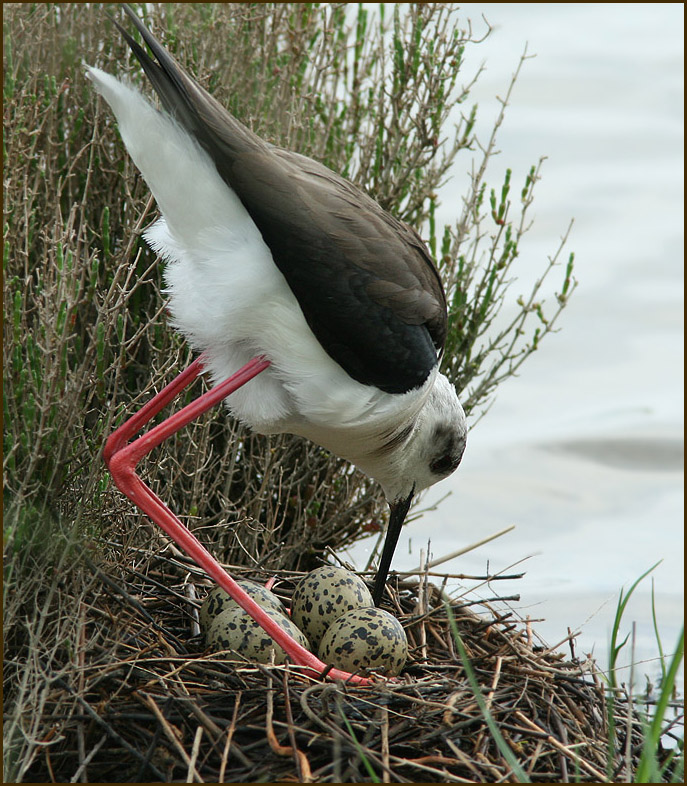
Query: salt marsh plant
<point x="85" y="334"/>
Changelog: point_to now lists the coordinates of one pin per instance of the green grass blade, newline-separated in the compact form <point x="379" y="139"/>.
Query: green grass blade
<point x="359" y="748"/>
<point x="648" y="769"/>
<point x="659" y="644"/>
<point x="502" y="745"/>
<point x="615" y="648"/>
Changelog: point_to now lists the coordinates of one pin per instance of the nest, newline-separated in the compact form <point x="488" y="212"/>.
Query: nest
<point x="146" y="702"/>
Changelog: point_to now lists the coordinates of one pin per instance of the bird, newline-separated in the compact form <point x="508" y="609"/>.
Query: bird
<point x="314" y="311"/>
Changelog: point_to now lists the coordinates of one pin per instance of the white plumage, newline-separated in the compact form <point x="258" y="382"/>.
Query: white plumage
<point x="227" y="296"/>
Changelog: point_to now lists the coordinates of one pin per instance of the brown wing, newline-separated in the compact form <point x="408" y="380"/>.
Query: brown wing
<point x="364" y="280"/>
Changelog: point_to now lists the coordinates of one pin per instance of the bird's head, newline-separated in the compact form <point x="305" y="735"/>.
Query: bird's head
<point x="427" y="451"/>
<point x="430" y="449"/>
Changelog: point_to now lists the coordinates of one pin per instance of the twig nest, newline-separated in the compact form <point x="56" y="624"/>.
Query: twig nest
<point x="234" y="629"/>
<point x="363" y="639"/>
<point x="323" y="595"/>
<point x="218" y="601"/>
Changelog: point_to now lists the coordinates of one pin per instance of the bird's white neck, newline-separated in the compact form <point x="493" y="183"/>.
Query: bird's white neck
<point x="400" y="447"/>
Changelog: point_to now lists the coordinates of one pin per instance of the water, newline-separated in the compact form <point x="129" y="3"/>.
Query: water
<point x="584" y="451"/>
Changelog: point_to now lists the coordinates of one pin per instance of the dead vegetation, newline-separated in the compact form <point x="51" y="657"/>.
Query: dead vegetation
<point x="140" y="699"/>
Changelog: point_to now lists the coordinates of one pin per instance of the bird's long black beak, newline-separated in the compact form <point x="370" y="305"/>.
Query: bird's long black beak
<point x="399" y="511"/>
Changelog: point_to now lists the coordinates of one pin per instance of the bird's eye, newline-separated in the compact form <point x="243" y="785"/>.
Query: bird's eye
<point x="446" y="464"/>
<point x="450" y="448"/>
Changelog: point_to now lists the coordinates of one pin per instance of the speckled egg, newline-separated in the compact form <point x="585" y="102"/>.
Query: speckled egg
<point x="324" y="595"/>
<point x="218" y="600"/>
<point x="364" y="639"/>
<point x="236" y="630"/>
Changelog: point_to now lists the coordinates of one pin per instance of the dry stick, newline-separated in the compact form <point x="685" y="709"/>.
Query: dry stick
<point x="422" y="604"/>
<point x="48" y="764"/>
<point x="484" y="738"/>
<point x="337" y="758"/>
<point x="194" y="754"/>
<point x="629" y="709"/>
<point x="190" y="590"/>
<point x="82" y="768"/>
<point x="464" y="759"/>
<point x="385" y="744"/>
<point x="110" y="731"/>
<point x="562" y="731"/>
<point x="534" y="758"/>
<point x="230" y="734"/>
<point x="277" y="747"/>
<point x="457" y="553"/>
<point x="494" y="682"/>
<point x="148" y="700"/>
<point x="186" y="563"/>
<point x="117" y="588"/>
<point x="364" y="754"/>
<point x="569" y="638"/>
<point x="560" y="747"/>
<point x="302" y="763"/>
<point x="207" y="722"/>
<point x="575" y="711"/>
<point x="446" y="776"/>
<point x="81" y="742"/>
<point x="500" y="576"/>
<point x="339" y="735"/>
<point x="447" y="717"/>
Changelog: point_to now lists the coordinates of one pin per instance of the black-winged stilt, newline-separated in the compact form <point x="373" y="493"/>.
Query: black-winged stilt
<point x="278" y="267"/>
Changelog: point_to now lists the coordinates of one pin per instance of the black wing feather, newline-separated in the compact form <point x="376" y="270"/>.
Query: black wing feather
<point x="365" y="281"/>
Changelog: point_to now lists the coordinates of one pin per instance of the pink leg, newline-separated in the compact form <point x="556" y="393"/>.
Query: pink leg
<point x="122" y="458"/>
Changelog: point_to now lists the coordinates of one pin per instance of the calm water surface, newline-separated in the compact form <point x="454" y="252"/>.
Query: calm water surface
<point x="584" y="451"/>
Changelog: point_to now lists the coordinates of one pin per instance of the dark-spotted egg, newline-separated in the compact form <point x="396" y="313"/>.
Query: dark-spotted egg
<point x="363" y="639"/>
<point x="236" y="630"/>
<point x="218" y="600"/>
<point x="323" y="596"/>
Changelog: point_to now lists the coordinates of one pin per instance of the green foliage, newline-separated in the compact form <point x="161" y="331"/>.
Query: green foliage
<point x="654" y="765"/>
<point x="651" y="769"/>
<point x="616" y="645"/>
<point x="478" y="261"/>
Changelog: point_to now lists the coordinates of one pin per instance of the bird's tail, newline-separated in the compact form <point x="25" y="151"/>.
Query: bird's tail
<point x="220" y="134"/>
